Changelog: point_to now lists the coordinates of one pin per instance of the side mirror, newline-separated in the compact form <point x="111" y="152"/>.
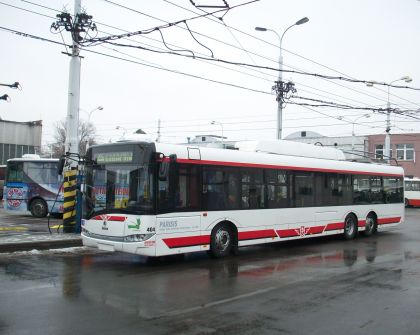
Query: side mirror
<point x="163" y="171"/>
<point x="60" y="166"/>
<point x="164" y="167"/>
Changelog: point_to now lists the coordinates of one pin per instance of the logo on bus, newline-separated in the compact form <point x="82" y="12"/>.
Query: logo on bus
<point x="12" y="192"/>
<point x="135" y="226"/>
<point x="14" y="203"/>
<point x="302" y="231"/>
<point x="104" y="224"/>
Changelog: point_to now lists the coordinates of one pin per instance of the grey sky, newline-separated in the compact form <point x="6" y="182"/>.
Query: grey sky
<point x="363" y="39"/>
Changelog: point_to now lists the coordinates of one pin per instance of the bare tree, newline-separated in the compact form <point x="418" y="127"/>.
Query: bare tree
<point x="87" y="136"/>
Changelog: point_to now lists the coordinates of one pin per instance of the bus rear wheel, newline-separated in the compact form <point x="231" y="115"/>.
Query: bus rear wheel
<point x="370" y="226"/>
<point x="221" y="240"/>
<point x="350" y="227"/>
<point x="407" y="203"/>
<point x="38" y="208"/>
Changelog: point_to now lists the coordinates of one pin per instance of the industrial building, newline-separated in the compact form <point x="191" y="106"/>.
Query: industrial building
<point x="19" y="138"/>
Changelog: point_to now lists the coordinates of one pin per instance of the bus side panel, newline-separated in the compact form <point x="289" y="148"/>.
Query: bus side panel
<point x="178" y="233"/>
<point x="16" y="197"/>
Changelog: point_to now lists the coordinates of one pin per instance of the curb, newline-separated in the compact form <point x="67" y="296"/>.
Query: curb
<point x="40" y="245"/>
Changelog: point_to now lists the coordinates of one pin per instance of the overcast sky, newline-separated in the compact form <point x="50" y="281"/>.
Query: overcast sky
<point x="361" y="39"/>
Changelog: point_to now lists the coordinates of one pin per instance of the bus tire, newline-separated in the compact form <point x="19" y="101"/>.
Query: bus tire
<point x="38" y="208"/>
<point x="350" y="227"/>
<point x="406" y="203"/>
<point x="371" y="225"/>
<point x="222" y="240"/>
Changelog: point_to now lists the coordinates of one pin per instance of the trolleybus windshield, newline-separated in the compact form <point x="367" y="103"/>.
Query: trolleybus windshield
<point x="120" y="180"/>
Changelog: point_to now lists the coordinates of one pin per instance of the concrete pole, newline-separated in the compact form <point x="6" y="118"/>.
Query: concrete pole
<point x="280" y="102"/>
<point x="72" y="121"/>
<point x="387" y="146"/>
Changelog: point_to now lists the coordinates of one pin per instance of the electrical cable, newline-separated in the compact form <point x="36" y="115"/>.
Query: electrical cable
<point x="163" y="21"/>
<point x="52" y="207"/>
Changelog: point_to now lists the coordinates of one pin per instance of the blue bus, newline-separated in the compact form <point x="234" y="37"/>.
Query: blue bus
<point x="33" y="185"/>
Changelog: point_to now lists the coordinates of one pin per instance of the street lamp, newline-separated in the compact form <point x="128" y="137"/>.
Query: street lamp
<point x="221" y="125"/>
<point x="99" y="108"/>
<point x="387" y="146"/>
<point x="280" y="77"/>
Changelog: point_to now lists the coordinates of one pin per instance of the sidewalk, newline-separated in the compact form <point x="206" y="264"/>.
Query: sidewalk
<point x="19" y="232"/>
<point x="30" y="241"/>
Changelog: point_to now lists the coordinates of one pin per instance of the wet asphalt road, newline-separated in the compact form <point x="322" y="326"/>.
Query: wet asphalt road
<point x="319" y="286"/>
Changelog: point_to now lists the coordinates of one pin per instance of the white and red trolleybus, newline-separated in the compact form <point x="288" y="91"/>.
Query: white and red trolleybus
<point x="159" y="199"/>
<point x="412" y="192"/>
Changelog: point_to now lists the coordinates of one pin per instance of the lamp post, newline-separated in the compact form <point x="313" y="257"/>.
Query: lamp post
<point x="99" y="108"/>
<point x="387" y="146"/>
<point x="221" y="125"/>
<point x="280" y="77"/>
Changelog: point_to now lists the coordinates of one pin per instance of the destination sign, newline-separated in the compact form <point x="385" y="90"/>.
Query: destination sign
<point x="114" y="157"/>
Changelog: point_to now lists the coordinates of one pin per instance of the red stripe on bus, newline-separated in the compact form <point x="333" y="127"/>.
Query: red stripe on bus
<point x="362" y="223"/>
<point x="253" y="235"/>
<point x="190" y="241"/>
<point x="295" y="168"/>
<point x="287" y="233"/>
<point x="414" y="202"/>
<point x="303" y="231"/>
<point x="316" y="230"/>
<point x="116" y="218"/>
<point x="389" y="220"/>
<point x="335" y="226"/>
<point x="110" y="218"/>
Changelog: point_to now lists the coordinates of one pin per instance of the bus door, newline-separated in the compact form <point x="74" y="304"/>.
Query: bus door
<point x="179" y="218"/>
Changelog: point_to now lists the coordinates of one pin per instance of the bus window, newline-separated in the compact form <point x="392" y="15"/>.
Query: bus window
<point x="277" y="188"/>
<point x="393" y="189"/>
<point x="15" y="172"/>
<point x="252" y="189"/>
<point x="304" y="189"/>
<point x="376" y="190"/>
<point x="361" y="190"/>
<point x="214" y="196"/>
<point x="180" y="191"/>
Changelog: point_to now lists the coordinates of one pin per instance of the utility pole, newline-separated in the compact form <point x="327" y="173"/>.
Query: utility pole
<point x="80" y="22"/>
<point x="72" y="120"/>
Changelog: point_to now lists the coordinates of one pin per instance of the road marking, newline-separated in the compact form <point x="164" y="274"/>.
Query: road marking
<point x="13" y="228"/>
<point x="56" y="226"/>
<point x="215" y="303"/>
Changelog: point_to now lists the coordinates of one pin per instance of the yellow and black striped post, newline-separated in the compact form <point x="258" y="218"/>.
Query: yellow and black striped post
<point x="69" y="212"/>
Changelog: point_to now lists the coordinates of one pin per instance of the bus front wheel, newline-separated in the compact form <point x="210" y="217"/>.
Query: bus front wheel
<point x="221" y="241"/>
<point x="350" y="227"/>
<point x="38" y="208"/>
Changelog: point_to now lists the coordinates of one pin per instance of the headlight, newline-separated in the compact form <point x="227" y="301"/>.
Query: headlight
<point x="137" y="237"/>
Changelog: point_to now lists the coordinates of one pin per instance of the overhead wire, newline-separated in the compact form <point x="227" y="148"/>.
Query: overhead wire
<point x="164" y="21"/>
<point x="277" y="46"/>
<point x="207" y="17"/>
<point x="45" y="16"/>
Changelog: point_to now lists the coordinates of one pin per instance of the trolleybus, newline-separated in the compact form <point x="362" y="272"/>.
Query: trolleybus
<point x="33" y="185"/>
<point x="412" y="192"/>
<point x="158" y="199"/>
